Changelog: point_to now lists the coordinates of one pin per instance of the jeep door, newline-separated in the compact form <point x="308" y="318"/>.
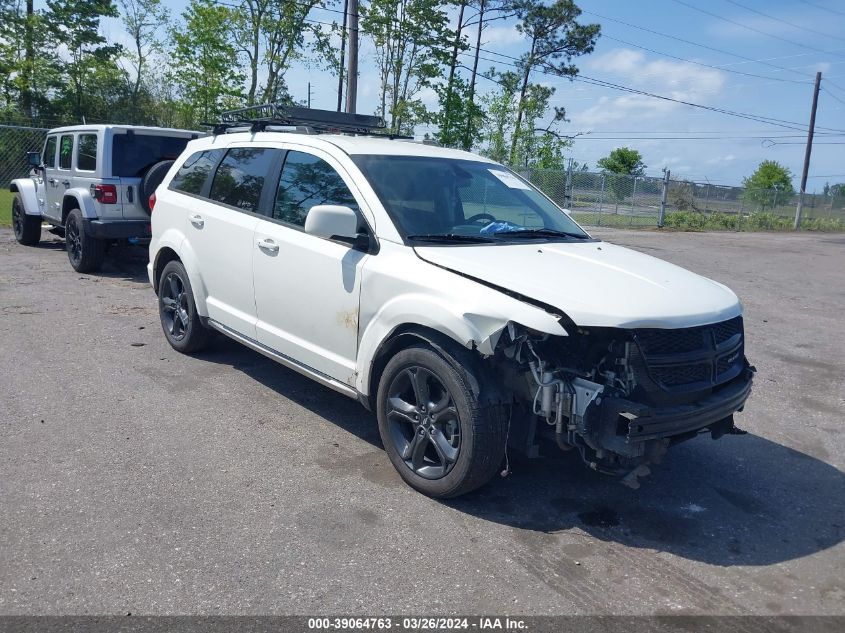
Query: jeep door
<point x="57" y="177"/>
<point x="220" y="227"/>
<point x="307" y="288"/>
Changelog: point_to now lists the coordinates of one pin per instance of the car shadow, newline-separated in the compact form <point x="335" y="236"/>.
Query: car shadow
<point x="123" y="260"/>
<point x="743" y="500"/>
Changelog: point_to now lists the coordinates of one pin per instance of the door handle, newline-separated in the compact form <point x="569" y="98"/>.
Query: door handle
<point x="66" y="183"/>
<point x="266" y="244"/>
<point x="197" y="221"/>
<point x="52" y="181"/>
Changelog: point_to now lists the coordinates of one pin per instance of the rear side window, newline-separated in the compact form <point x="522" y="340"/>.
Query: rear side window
<point x="241" y="175"/>
<point x="308" y="181"/>
<point x="195" y="171"/>
<point x="86" y="159"/>
<point x="49" y="157"/>
<point x="65" y="151"/>
<point x="133" y="154"/>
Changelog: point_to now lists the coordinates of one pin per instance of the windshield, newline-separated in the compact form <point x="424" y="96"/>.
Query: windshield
<point x="458" y="200"/>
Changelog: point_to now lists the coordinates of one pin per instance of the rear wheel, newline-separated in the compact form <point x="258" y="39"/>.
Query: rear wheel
<point x="442" y="441"/>
<point x="85" y="252"/>
<point x="27" y="227"/>
<point x="178" y="310"/>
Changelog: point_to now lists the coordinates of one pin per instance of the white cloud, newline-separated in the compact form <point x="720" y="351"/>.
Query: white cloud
<point x="503" y="35"/>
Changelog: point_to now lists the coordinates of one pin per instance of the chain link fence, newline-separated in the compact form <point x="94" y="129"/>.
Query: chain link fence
<point x="600" y="199"/>
<point x="15" y="142"/>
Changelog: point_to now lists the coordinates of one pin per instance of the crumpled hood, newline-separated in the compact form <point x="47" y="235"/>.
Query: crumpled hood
<point x="594" y="283"/>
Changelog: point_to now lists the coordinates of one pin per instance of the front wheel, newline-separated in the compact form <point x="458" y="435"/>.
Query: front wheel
<point x="178" y="310"/>
<point x="442" y="441"/>
<point x="27" y="227"/>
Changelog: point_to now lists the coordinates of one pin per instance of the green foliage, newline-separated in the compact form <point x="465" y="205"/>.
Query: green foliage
<point x="205" y="63"/>
<point x="460" y="119"/>
<point x="623" y="160"/>
<point x="5" y="207"/>
<point x="770" y="184"/>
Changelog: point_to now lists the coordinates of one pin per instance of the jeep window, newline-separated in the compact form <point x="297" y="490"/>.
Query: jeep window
<point x="308" y="181"/>
<point x="240" y="177"/>
<point x="50" y="152"/>
<point x="65" y="151"/>
<point x="86" y="159"/>
<point x="194" y="171"/>
<point x="133" y="154"/>
<point x="433" y="196"/>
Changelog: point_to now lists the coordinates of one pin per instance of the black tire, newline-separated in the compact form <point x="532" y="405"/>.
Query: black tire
<point x="151" y="180"/>
<point x="178" y="311"/>
<point x="481" y="429"/>
<point x="85" y="252"/>
<point x="27" y="227"/>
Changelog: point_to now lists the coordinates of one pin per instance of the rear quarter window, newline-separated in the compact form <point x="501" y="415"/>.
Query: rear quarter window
<point x="194" y="172"/>
<point x="86" y="159"/>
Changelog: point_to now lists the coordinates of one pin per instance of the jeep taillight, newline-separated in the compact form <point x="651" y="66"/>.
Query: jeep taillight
<point x="106" y="194"/>
<point x="152" y="201"/>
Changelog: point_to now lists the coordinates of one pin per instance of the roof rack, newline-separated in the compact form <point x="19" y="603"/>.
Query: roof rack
<point x="267" y="116"/>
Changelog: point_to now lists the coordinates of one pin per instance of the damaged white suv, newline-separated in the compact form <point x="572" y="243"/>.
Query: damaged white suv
<point x="444" y="292"/>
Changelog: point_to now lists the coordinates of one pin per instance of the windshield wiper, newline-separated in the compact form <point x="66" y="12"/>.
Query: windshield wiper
<point x="450" y="237"/>
<point x="541" y="233"/>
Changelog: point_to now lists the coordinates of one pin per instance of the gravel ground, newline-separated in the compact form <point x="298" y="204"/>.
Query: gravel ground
<point x="134" y="479"/>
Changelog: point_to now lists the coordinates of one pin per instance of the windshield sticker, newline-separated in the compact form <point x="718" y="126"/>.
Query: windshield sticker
<point x="509" y="179"/>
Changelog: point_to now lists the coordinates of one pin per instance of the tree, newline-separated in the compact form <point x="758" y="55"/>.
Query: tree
<point x="142" y="20"/>
<point x="770" y="183"/>
<point x="554" y="39"/>
<point x="205" y="62"/>
<point x="89" y="71"/>
<point x="411" y="40"/>
<point x="623" y="160"/>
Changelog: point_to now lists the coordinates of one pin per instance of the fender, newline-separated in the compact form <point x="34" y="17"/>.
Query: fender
<point x="473" y="330"/>
<point x="28" y="190"/>
<point x="174" y="239"/>
<point x="84" y="202"/>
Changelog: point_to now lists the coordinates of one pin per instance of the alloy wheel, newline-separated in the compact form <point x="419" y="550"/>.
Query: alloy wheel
<point x="423" y="423"/>
<point x="17" y="218"/>
<point x="73" y="240"/>
<point x="174" y="305"/>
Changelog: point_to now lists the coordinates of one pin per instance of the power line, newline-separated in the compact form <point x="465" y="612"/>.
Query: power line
<point x="690" y="61"/>
<point x="698" y="44"/>
<point x="818" y="6"/>
<point x="751" y="28"/>
<point x="787" y="22"/>
<point x="833" y="95"/>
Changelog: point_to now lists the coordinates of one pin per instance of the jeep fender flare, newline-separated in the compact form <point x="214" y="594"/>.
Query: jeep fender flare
<point x="179" y="244"/>
<point x="83" y="200"/>
<point x="28" y="192"/>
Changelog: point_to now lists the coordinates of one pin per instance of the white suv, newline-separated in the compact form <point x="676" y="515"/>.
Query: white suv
<point x="446" y="293"/>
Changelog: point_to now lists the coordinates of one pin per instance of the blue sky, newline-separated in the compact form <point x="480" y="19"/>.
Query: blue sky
<point x="792" y="41"/>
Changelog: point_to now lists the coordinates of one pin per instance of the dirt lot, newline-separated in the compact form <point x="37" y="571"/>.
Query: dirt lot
<point x="134" y="479"/>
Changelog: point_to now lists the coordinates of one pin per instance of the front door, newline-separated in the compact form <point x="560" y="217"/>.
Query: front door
<point x="56" y="174"/>
<point x="307" y="289"/>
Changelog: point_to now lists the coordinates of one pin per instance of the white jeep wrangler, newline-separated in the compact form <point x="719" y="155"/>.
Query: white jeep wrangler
<point x="93" y="183"/>
<point x="444" y="292"/>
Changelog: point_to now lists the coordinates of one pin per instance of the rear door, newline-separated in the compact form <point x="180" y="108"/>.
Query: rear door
<point x="221" y="224"/>
<point x="307" y="288"/>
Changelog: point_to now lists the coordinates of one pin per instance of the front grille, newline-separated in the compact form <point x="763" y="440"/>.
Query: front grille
<point x="691" y="359"/>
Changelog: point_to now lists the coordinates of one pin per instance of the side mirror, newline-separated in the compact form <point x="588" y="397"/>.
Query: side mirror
<point x="33" y="159"/>
<point x="334" y="222"/>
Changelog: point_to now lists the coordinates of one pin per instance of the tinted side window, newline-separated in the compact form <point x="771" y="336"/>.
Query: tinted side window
<point x="241" y="175"/>
<point x="307" y="181"/>
<point x="86" y="158"/>
<point x="49" y="157"/>
<point x="195" y="170"/>
<point x="65" y="151"/>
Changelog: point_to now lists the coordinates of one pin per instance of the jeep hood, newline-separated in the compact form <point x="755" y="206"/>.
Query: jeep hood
<point x="594" y="283"/>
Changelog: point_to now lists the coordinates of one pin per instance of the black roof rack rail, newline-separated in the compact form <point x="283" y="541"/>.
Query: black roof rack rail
<point x="304" y="120"/>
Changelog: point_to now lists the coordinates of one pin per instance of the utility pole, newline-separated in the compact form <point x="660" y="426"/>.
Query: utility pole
<point x="342" y="57"/>
<point x="309" y="94"/>
<point x="352" y="69"/>
<point x="800" y="208"/>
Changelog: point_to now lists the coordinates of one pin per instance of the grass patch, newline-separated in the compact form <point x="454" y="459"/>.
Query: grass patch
<point x="5" y="207"/>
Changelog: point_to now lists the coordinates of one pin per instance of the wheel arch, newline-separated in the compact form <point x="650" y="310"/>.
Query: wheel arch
<point x="78" y="199"/>
<point x="25" y="188"/>
<point x="173" y="247"/>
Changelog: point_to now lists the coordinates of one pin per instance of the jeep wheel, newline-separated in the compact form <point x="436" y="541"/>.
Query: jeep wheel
<point x="85" y="252"/>
<point x="151" y="180"/>
<point x="27" y="227"/>
<point x="436" y="433"/>
<point x="178" y="311"/>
